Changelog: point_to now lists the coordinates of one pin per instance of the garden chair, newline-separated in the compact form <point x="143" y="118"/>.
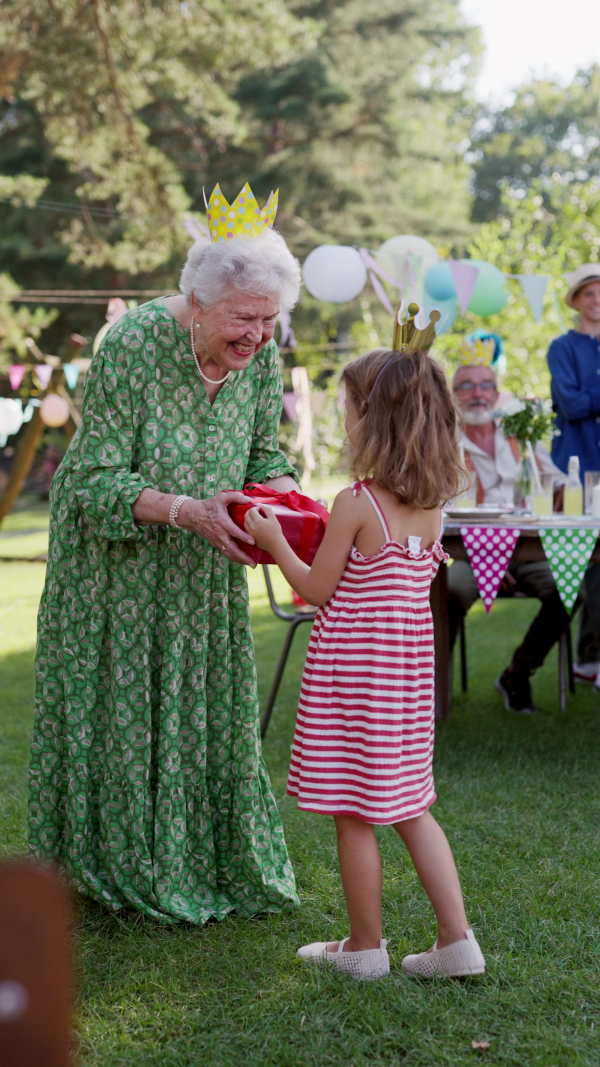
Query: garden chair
<point x="566" y="679"/>
<point x="294" y="620"/>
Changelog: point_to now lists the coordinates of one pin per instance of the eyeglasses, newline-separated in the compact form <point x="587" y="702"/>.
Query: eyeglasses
<point x="468" y="387"/>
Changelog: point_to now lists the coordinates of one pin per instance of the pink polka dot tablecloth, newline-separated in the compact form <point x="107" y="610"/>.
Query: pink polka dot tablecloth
<point x="489" y="549"/>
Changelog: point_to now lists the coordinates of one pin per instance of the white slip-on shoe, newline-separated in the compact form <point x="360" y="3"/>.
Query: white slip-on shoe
<point x="457" y="960"/>
<point x="370" y="964"/>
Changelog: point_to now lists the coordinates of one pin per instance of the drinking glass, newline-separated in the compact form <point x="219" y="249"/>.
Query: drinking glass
<point x="542" y="495"/>
<point x="592" y="479"/>
<point x="467" y="499"/>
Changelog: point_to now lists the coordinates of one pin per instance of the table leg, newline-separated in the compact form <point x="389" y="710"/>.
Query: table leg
<point x="441" y="638"/>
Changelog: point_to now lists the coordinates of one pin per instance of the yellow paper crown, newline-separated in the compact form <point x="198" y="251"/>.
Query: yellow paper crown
<point x="407" y="335"/>
<point x="243" y="218"/>
<point x="477" y="352"/>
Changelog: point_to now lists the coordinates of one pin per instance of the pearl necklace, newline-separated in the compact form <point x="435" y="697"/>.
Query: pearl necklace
<point x="211" y="381"/>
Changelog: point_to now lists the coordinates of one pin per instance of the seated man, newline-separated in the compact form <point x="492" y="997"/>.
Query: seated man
<point x="494" y="460"/>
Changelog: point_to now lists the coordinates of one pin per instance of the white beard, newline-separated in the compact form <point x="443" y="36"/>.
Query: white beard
<point x="478" y="418"/>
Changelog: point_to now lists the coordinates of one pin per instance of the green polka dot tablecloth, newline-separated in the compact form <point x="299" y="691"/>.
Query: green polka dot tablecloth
<point x="568" y="553"/>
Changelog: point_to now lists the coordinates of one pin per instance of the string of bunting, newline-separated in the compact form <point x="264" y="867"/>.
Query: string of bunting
<point x="43" y="373"/>
<point x="489" y="549"/>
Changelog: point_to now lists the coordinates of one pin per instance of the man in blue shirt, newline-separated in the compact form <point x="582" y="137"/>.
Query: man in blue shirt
<point x="574" y="362"/>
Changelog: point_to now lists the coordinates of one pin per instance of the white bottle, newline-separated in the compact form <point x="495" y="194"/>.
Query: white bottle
<point x="573" y="504"/>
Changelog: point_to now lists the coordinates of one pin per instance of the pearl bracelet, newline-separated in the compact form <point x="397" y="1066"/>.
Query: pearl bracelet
<point x="174" y="510"/>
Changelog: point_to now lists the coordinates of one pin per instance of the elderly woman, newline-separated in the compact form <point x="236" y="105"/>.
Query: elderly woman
<point x="148" y="786"/>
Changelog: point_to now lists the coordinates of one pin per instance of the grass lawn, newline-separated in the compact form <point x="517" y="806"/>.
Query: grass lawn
<point x="24" y="532"/>
<point x="520" y="802"/>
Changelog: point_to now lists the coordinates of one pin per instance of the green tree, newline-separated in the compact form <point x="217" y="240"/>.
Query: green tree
<point x="18" y="324"/>
<point x="549" y="130"/>
<point x="127" y="110"/>
<point x="125" y="96"/>
<point x="364" y="133"/>
<point x="549" y="231"/>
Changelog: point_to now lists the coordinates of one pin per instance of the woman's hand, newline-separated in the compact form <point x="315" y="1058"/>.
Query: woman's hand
<point x="211" y="520"/>
<point x="265" y="528"/>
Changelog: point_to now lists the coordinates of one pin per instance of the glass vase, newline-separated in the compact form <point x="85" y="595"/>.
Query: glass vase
<point x="523" y="486"/>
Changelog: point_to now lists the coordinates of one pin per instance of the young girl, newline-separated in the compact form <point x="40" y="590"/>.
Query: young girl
<point x="363" y="745"/>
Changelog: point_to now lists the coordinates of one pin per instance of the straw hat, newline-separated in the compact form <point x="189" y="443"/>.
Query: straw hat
<point x="589" y="272"/>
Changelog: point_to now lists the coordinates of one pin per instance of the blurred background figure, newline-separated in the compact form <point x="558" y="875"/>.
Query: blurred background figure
<point x="574" y="362"/>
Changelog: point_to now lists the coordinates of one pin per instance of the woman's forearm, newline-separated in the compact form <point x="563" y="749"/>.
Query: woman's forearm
<point x="151" y="508"/>
<point x="209" y="518"/>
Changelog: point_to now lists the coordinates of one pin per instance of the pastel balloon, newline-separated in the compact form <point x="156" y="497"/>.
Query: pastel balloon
<point x="489" y="295"/>
<point x="335" y="273"/>
<point x="407" y="258"/>
<point x="439" y="283"/>
<point x="54" y="410"/>
<point x="447" y="308"/>
<point x="11" y="416"/>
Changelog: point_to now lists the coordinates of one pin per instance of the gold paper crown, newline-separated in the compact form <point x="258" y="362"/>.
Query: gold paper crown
<point x="475" y="352"/>
<point x="243" y="218"/>
<point x="406" y="334"/>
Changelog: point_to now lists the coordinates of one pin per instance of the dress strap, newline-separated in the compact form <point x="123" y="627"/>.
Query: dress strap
<point x="382" y="518"/>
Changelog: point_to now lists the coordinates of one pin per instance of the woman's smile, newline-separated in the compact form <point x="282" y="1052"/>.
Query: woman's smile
<point x="229" y="334"/>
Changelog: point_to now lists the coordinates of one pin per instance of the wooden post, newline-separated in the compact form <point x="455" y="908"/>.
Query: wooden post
<point x="22" y="463"/>
<point x="28" y="446"/>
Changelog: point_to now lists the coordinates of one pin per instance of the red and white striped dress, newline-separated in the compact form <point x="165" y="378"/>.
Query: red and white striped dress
<point x="363" y="744"/>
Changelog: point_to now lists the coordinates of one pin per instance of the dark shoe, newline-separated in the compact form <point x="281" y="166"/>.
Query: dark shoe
<point x="516" y="693"/>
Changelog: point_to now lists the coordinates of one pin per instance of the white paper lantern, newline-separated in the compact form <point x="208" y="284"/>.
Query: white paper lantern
<point x="54" y="410"/>
<point x="408" y="258"/>
<point x="11" y="416"/>
<point x="335" y="273"/>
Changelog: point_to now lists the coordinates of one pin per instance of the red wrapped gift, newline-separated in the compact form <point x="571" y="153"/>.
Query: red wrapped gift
<point x="302" y="519"/>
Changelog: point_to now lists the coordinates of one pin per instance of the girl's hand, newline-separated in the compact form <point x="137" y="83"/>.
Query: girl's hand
<point x="262" y="523"/>
<point x="211" y="520"/>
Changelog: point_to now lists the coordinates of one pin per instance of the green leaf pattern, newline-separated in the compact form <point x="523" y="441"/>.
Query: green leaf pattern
<point x="147" y="781"/>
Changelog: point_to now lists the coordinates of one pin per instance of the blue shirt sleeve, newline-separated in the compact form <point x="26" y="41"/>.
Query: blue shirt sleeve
<point x="571" y="398"/>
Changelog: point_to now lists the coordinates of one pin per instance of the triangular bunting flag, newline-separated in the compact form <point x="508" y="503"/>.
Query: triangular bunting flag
<point x="380" y="292"/>
<point x="290" y="405"/>
<point x="71" y="374"/>
<point x="534" y="286"/>
<point x="44" y="374"/>
<point x="489" y="549"/>
<point x="465" y="278"/>
<point x="568" y="553"/>
<point x="15" y="375"/>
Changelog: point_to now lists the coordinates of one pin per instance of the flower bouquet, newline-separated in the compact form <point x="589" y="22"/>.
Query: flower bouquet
<point x="528" y="421"/>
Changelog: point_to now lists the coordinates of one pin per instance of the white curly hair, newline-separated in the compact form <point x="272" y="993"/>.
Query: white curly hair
<point x="263" y="266"/>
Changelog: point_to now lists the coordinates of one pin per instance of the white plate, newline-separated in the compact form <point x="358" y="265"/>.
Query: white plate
<point x="478" y="513"/>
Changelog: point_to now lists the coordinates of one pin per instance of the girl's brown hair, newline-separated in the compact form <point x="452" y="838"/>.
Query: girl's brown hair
<point x="406" y="439"/>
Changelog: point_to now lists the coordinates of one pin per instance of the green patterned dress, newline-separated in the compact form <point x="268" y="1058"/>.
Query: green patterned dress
<point x="147" y="781"/>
